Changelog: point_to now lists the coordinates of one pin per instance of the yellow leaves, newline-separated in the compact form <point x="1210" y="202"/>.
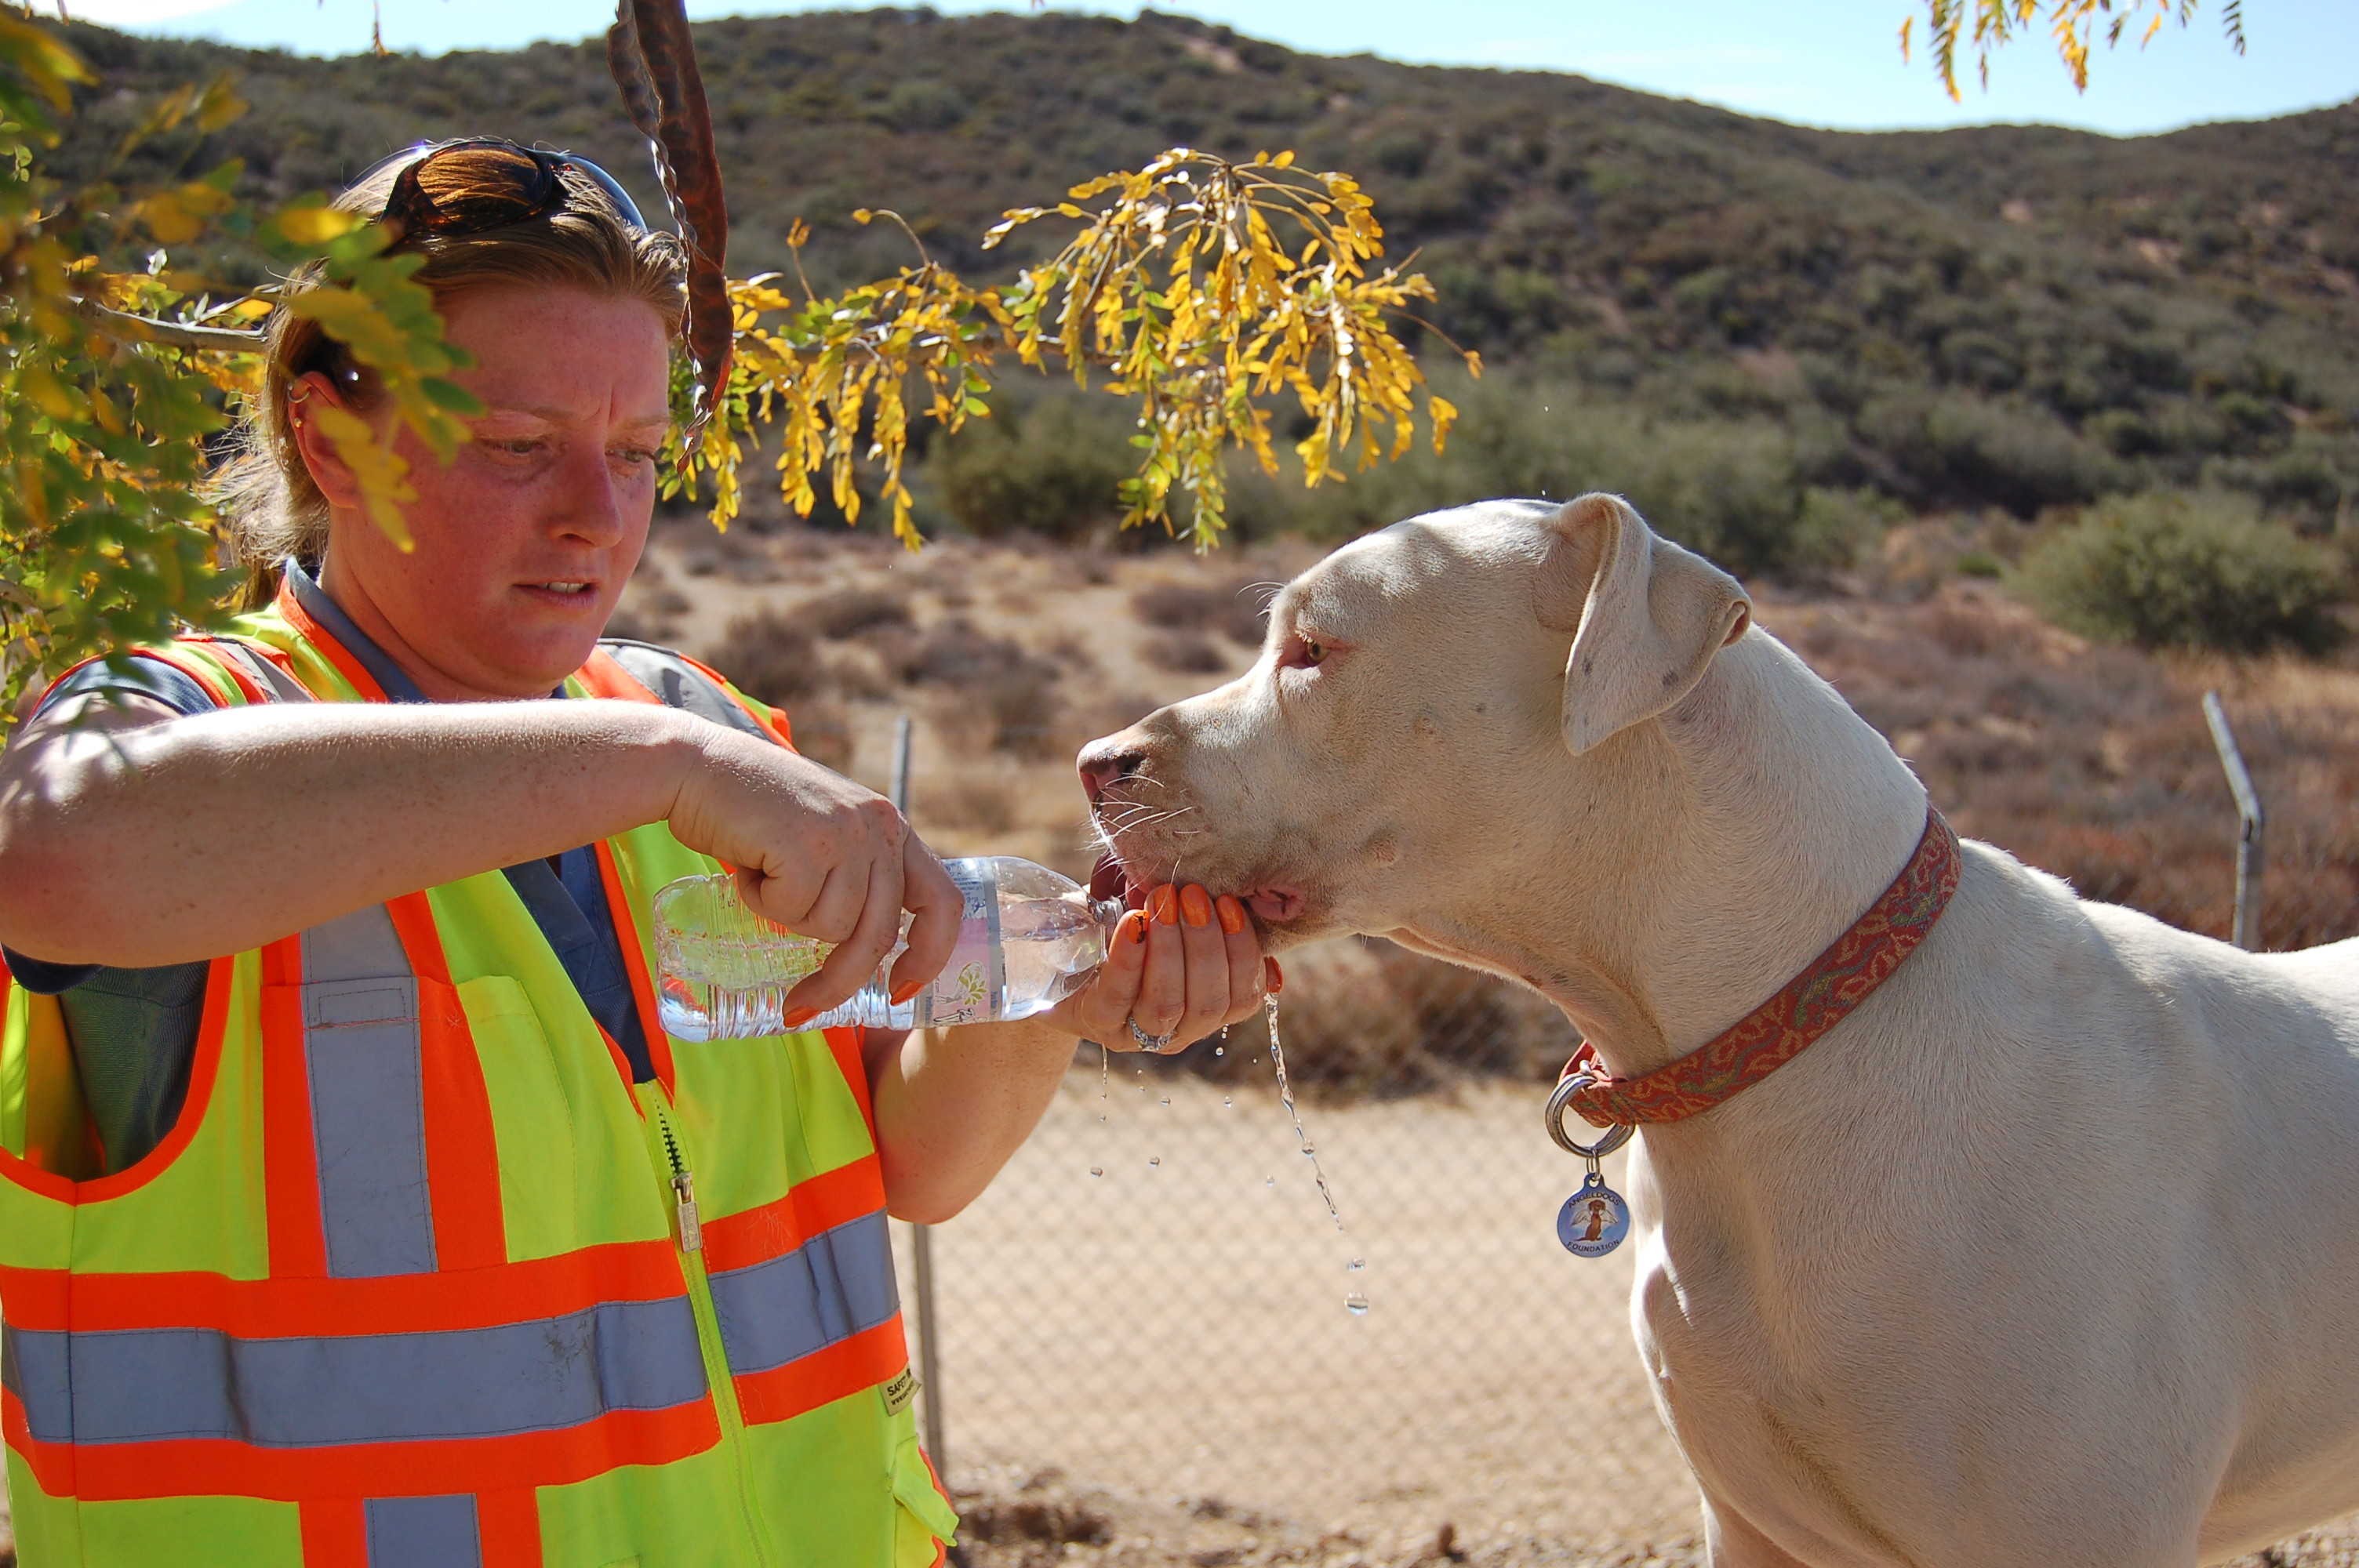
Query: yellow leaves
<point x="1194" y="285"/>
<point x="831" y="376"/>
<point x="180" y="214"/>
<point x="48" y="66"/>
<point x="314" y="224"/>
<point x="1199" y="285"/>
<point x="218" y="106"/>
<point x="1444" y="413"/>
<point x="383" y="477"/>
<point x="2072" y="25"/>
<point x="50" y="395"/>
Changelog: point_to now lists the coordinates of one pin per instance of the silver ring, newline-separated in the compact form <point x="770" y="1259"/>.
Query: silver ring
<point x="1616" y="1136"/>
<point x="1157" y="1044"/>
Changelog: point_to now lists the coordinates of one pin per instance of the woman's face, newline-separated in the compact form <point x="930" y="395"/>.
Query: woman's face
<point x="525" y="540"/>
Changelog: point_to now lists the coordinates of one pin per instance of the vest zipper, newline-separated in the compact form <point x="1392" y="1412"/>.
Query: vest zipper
<point x="690" y="1239"/>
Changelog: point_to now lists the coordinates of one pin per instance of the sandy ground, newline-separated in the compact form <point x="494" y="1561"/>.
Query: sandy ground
<point x="1178" y="1330"/>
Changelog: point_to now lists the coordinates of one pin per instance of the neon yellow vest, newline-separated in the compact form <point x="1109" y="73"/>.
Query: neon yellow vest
<point x="420" y="1278"/>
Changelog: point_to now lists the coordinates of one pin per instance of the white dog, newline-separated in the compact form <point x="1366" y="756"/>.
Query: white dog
<point x="2047" y="1254"/>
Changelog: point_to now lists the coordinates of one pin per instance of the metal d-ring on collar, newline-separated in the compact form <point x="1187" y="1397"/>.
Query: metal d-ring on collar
<point x="1567" y="1087"/>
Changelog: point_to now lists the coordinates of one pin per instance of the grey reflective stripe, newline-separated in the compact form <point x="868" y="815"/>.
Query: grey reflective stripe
<point x="831" y="1288"/>
<point x="282" y="687"/>
<point x="151" y="1384"/>
<point x="368" y="1109"/>
<point x="423" y="1533"/>
<point x="681" y="684"/>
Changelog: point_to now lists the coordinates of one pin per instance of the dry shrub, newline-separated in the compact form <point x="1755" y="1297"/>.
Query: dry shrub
<point x="1184" y="652"/>
<point x="954" y="654"/>
<point x="963" y="801"/>
<point x="857" y="676"/>
<point x="1237" y="609"/>
<point x="861" y="610"/>
<point x="2093" y="762"/>
<point x="737" y="555"/>
<point x="770" y="654"/>
<point x="1361" y="1017"/>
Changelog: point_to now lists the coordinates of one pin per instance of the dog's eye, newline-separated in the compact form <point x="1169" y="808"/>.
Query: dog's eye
<point x="1301" y="652"/>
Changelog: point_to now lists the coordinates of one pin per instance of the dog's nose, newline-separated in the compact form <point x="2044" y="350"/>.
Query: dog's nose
<point x="1107" y="761"/>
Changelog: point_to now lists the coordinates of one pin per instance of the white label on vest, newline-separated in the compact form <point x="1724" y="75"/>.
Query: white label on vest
<point x="899" y="1392"/>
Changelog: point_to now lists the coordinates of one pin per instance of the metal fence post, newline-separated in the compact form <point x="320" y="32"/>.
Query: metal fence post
<point x="921" y="1236"/>
<point x="2250" y="821"/>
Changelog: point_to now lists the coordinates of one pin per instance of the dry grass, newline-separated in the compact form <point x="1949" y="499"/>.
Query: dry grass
<point x="2094" y="761"/>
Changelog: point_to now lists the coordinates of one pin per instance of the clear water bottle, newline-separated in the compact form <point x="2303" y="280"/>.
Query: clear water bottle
<point x="1028" y="940"/>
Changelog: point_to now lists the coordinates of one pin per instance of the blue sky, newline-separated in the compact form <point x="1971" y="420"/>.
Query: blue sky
<point x="1825" y="62"/>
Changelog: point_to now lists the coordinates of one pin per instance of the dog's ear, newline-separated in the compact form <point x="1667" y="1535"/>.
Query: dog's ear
<point x="1647" y="616"/>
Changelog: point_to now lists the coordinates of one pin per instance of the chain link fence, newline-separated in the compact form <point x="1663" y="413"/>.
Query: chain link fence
<point x="1151" y="1301"/>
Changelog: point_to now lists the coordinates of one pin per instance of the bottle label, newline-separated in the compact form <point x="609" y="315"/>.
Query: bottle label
<point x="972" y="985"/>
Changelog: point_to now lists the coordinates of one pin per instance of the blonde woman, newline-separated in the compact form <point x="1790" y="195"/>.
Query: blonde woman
<point x="354" y="1207"/>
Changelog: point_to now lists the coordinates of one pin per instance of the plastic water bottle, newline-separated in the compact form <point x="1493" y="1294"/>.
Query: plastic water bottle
<point x="1029" y="938"/>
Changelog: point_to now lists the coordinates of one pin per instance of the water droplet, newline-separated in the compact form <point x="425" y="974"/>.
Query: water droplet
<point x="1220" y="1050"/>
<point x="1165" y="1100"/>
<point x="1355" y="1265"/>
<point x="1225" y="1100"/>
<point x="1270" y="1181"/>
<point x="1097" y="1170"/>
<point x="1153" y="1161"/>
<point x="1310" y="1152"/>
<point x="1356" y="1304"/>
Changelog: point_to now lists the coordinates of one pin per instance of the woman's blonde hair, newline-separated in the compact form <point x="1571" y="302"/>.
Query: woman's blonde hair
<point x="271" y="509"/>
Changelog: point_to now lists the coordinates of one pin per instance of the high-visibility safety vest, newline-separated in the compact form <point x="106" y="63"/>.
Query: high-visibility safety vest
<point x="419" y="1278"/>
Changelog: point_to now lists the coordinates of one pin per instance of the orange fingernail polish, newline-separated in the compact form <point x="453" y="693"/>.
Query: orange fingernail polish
<point x="906" y="992"/>
<point x="798" y="1018"/>
<point x="1135" y="923"/>
<point x="1196" y="904"/>
<point x="1163" y="907"/>
<point x="1231" y="912"/>
<point x="1274" y="977"/>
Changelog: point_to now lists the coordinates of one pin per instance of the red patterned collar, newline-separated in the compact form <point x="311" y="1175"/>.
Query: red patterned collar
<point x="1811" y="1003"/>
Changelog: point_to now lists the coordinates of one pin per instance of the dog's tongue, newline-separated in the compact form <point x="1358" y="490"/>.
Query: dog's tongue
<point x="1107" y="881"/>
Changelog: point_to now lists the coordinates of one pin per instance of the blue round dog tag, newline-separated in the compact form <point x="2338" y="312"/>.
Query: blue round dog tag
<point x="1592" y="1221"/>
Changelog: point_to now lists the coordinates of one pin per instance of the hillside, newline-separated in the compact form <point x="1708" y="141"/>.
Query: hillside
<point x="2010" y="317"/>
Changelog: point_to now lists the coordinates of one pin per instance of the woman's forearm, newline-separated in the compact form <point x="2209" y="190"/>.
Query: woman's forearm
<point x="218" y="832"/>
<point x="953" y="1105"/>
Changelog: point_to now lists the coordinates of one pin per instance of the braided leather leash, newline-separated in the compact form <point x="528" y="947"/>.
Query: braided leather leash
<point x="653" y="61"/>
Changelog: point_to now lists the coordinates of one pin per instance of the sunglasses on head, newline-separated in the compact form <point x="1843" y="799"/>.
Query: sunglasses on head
<point x="458" y="187"/>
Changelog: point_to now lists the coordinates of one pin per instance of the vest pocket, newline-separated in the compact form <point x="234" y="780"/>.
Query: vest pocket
<point x="531" y="1118"/>
<point x="923" y="1519"/>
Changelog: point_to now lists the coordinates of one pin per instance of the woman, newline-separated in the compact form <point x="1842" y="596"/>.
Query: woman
<point x="347" y="1223"/>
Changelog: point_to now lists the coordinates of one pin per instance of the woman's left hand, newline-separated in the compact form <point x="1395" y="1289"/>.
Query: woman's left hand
<point x="1182" y="967"/>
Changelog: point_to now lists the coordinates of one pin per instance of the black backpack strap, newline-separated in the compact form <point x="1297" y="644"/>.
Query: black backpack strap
<point x="679" y="684"/>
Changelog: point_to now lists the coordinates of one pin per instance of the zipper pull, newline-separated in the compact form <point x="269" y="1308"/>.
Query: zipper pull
<point x="683" y="1192"/>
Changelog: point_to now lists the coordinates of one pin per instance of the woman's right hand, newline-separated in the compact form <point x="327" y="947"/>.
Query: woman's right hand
<point x="822" y="856"/>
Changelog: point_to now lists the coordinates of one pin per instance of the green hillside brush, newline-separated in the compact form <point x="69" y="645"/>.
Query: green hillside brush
<point x="2200" y="570"/>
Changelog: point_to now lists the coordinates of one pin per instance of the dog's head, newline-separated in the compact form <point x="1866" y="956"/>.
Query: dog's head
<point x="1423" y="695"/>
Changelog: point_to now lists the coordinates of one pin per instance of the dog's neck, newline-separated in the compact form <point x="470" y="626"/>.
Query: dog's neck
<point x="1770" y="817"/>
